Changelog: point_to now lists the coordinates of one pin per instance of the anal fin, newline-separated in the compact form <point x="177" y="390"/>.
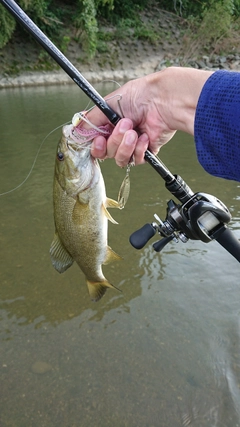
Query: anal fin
<point x="98" y="289"/>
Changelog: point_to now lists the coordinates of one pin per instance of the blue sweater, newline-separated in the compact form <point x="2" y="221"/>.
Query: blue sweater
<point x="217" y="125"/>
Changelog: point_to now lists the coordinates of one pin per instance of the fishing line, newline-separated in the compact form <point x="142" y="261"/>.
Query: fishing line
<point x="111" y="81"/>
<point x="113" y="96"/>
<point x="119" y="96"/>
<point x="34" y="162"/>
<point x="50" y="133"/>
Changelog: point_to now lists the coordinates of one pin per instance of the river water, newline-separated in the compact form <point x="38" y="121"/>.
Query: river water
<point x="166" y="350"/>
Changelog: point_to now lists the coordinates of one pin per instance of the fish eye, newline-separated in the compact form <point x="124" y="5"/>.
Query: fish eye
<point x="60" y="156"/>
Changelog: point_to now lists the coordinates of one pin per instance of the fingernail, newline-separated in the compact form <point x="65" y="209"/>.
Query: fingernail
<point x="98" y="144"/>
<point x="144" y="137"/>
<point x="130" y="139"/>
<point x="125" y="125"/>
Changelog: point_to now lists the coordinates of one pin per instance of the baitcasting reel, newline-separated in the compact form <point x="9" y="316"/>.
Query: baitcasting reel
<point x="199" y="216"/>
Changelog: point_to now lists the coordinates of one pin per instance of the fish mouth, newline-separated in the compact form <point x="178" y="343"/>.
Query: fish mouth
<point x="74" y="140"/>
<point x="75" y="146"/>
<point x="85" y="136"/>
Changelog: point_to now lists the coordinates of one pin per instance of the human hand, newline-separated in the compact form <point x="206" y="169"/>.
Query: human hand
<point x="154" y="107"/>
<point x="142" y="128"/>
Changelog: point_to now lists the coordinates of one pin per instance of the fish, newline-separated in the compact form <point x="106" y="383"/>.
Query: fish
<point x="81" y="213"/>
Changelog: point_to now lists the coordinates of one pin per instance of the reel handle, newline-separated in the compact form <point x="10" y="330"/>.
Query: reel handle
<point x="139" y="238"/>
<point x="160" y="244"/>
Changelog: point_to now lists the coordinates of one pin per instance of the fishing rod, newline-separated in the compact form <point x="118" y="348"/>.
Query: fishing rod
<point x="200" y="216"/>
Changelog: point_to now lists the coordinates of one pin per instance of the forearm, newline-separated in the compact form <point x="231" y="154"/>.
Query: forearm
<point x="217" y="125"/>
<point x="205" y="104"/>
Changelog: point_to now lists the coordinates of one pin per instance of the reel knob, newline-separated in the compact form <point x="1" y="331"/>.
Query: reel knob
<point x="139" y="238"/>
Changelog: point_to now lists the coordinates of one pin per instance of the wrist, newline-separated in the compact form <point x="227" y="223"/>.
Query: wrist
<point x="177" y="94"/>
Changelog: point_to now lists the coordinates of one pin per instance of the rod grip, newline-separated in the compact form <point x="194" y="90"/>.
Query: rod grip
<point x="228" y="241"/>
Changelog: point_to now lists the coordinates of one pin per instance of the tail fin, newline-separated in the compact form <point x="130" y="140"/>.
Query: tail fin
<point x="98" y="289"/>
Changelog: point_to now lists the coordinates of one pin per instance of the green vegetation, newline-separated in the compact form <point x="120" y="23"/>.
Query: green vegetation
<point x="214" y="29"/>
<point x="198" y="8"/>
<point x="7" y="25"/>
<point x="134" y="28"/>
<point x="87" y="22"/>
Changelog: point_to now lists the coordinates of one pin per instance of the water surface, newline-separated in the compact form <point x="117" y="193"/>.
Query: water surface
<point x="165" y="351"/>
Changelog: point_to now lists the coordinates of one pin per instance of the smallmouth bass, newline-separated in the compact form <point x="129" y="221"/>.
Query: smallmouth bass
<point x="80" y="214"/>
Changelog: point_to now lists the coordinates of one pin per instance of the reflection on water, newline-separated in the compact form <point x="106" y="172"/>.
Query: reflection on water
<point x="165" y="351"/>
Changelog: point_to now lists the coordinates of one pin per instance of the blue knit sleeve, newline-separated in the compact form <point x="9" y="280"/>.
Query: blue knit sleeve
<point x="217" y="125"/>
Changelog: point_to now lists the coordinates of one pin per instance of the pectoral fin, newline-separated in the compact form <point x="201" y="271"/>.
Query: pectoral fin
<point x="98" y="289"/>
<point x="110" y="203"/>
<point x="107" y="214"/>
<point x="61" y="260"/>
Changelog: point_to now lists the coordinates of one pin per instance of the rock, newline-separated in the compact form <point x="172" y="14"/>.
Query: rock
<point x="234" y="65"/>
<point x="222" y="59"/>
<point x="201" y="64"/>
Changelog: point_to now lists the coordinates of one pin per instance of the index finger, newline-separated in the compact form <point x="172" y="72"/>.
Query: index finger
<point x="97" y="116"/>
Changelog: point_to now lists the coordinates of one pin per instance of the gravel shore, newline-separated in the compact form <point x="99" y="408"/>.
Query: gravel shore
<point x="152" y="64"/>
<point x="61" y="78"/>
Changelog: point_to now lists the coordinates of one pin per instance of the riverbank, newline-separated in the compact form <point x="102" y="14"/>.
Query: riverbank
<point x="152" y="64"/>
<point x="24" y="63"/>
<point x="59" y="77"/>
